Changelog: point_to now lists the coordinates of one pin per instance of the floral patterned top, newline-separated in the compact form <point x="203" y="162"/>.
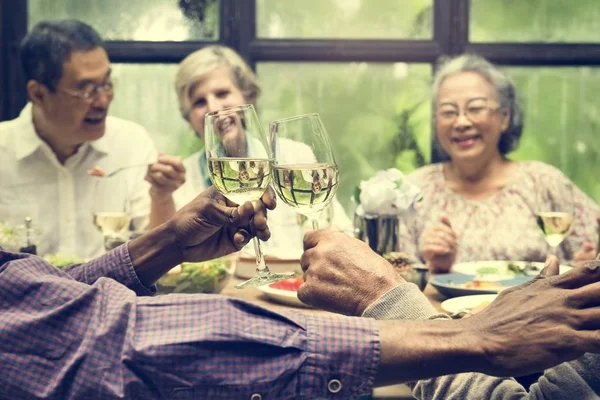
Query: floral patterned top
<point x="503" y="226"/>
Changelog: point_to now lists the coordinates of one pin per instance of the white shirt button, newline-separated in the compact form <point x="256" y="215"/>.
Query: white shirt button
<point x="334" y="386"/>
<point x="256" y="396"/>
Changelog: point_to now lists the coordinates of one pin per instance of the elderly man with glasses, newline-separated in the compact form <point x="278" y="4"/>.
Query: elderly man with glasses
<point x="63" y="132"/>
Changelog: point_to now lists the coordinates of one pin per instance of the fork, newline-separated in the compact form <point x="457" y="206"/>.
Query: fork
<point x="116" y="171"/>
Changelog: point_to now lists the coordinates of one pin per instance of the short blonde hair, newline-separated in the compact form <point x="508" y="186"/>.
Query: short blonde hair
<point x="195" y="67"/>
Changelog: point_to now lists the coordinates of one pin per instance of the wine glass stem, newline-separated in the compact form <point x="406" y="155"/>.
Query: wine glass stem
<point x="261" y="266"/>
<point x="315" y="224"/>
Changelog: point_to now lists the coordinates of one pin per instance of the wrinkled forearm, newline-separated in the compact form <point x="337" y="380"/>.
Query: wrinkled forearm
<point x="154" y="253"/>
<point x="576" y="379"/>
<point x="412" y="350"/>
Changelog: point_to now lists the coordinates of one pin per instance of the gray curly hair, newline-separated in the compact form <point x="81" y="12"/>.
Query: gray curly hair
<point x="505" y="88"/>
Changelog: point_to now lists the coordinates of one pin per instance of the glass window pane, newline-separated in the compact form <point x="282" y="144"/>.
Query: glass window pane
<point x="349" y="19"/>
<point x="144" y="93"/>
<point x="152" y="20"/>
<point x="562" y="120"/>
<point x="534" y="21"/>
<point x="378" y="115"/>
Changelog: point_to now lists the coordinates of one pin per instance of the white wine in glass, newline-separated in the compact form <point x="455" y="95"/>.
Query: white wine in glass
<point x="239" y="163"/>
<point x="240" y="179"/>
<point x="114" y="227"/>
<point x="554" y="215"/>
<point x="306" y="187"/>
<point x="305" y="174"/>
<point x="555" y="225"/>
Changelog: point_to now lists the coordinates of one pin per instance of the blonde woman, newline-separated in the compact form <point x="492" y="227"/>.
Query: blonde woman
<point x="213" y="78"/>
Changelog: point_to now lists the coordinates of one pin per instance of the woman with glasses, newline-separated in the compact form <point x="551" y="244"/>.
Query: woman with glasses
<point x="478" y="203"/>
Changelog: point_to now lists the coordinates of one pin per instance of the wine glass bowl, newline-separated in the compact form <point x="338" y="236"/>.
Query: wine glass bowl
<point x="305" y="176"/>
<point x="554" y="210"/>
<point x="114" y="226"/>
<point x="239" y="164"/>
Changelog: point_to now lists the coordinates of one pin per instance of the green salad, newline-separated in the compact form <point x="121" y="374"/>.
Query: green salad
<point x="8" y="238"/>
<point x="204" y="277"/>
<point x="62" y="261"/>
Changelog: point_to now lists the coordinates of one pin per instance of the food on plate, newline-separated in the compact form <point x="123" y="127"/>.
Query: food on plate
<point x="399" y="261"/>
<point x="291" y="284"/>
<point x="62" y="261"/>
<point x="511" y="268"/>
<point x="96" y="171"/>
<point x="477" y="283"/>
<point x="203" y="277"/>
<point x="524" y="270"/>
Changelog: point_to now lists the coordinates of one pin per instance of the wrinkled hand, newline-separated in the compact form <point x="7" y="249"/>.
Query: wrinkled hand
<point x="211" y="226"/>
<point x="549" y="320"/>
<point x="439" y="246"/>
<point x="165" y="175"/>
<point x="343" y="274"/>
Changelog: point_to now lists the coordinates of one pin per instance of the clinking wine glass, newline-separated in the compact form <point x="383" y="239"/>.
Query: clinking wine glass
<point x="239" y="164"/>
<point x="555" y="214"/>
<point x="305" y="174"/>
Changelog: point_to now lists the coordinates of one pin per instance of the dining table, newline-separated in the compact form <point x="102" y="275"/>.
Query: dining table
<point x="254" y="295"/>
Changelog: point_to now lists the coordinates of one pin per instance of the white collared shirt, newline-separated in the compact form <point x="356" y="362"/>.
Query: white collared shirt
<point x="61" y="199"/>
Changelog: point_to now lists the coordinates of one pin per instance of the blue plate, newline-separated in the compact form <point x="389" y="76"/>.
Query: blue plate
<point x="452" y="285"/>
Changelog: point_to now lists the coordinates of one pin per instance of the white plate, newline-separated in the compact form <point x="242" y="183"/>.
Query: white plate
<point x="498" y="270"/>
<point x="286" y="297"/>
<point x="456" y="304"/>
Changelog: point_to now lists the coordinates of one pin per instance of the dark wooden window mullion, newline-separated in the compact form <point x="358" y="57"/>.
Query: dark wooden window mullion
<point x="539" y="54"/>
<point x="3" y="73"/>
<point x="129" y="51"/>
<point x="14" y="27"/>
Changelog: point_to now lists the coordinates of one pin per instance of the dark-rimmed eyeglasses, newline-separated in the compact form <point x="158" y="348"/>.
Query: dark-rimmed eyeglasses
<point x="90" y="92"/>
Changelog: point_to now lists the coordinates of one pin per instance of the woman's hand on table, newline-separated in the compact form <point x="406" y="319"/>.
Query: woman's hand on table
<point x="342" y="274"/>
<point x="439" y="246"/>
<point x="166" y="175"/>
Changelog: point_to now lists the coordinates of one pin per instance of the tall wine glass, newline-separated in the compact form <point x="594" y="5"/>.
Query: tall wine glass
<point x="239" y="163"/>
<point x="555" y="214"/>
<point x="305" y="176"/>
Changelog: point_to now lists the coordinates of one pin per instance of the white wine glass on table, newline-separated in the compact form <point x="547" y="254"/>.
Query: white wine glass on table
<point x="555" y="214"/>
<point x="305" y="177"/>
<point x="239" y="164"/>
<point x="109" y="214"/>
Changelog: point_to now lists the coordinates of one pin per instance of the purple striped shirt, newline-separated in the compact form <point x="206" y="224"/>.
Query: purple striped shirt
<point x="90" y="333"/>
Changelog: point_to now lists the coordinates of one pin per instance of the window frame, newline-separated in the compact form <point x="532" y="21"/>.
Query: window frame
<point x="237" y="29"/>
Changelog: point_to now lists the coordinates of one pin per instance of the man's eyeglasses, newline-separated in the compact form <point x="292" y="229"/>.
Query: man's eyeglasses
<point x="91" y="91"/>
<point x="476" y="111"/>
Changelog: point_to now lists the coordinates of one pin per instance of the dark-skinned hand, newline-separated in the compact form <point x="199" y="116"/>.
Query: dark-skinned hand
<point x="551" y="319"/>
<point x="343" y="274"/>
<point x="211" y="226"/>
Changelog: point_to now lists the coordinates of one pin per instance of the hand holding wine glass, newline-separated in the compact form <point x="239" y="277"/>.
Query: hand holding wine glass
<point x="239" y="163"/>
<point x="306" y="180"/>
<point x="555" y="215"/>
